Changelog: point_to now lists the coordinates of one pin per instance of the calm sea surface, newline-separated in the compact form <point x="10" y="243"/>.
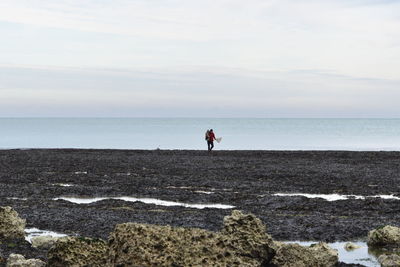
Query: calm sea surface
<point x="188" y="133"/>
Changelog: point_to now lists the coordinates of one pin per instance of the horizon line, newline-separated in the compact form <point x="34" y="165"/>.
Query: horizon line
<point x="182" y="117"/>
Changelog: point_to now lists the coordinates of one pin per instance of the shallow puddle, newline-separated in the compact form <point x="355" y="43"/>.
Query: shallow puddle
<point x="81" y="172"/>
<point x="335" y="197"/>
<point x="32" y="232"/>
<point x="204" y="192"/>
<point x="80" y="200"/>
<point x="64" y="185"/>
<point x="17" y="198"/>
<point x="362" y="255"/>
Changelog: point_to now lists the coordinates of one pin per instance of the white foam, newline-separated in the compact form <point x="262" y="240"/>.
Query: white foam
<point x="80" y="172"/>
<point x="335" y="197"/>
<point x="32" y="232"/>
<point x="154" y="201"/>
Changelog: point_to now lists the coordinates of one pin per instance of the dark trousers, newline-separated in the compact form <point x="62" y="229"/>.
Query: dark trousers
<point x="210" y="145"/>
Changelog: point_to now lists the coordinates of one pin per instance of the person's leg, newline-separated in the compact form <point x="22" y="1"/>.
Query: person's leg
<point x="212" y="145"/>
<point x="209" y="145"/>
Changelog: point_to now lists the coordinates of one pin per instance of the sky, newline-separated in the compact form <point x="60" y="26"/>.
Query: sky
<point x="210" y="58"/>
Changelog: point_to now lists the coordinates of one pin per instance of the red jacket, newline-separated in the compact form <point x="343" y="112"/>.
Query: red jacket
<point x="211" y="137"/>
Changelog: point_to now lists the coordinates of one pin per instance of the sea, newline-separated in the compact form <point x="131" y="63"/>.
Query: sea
<point x="188" y="133"/>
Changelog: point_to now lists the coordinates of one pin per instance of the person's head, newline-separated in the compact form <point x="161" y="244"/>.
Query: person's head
<point x="211" y="130"/>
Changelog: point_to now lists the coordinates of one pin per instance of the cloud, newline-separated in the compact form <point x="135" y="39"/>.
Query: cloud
<point x="259" y="56"/>
<point x="200" y="92"/>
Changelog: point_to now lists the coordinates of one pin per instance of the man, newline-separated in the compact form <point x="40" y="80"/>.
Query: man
<point x="210" y="137"/>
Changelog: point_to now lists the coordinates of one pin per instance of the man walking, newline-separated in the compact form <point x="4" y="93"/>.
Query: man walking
<point x="210" y="137"/>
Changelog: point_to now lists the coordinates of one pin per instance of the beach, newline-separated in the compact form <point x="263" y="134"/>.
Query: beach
<point x="193" y="188"/>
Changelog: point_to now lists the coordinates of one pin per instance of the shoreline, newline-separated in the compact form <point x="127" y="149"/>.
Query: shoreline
<point x="215" y="150"/>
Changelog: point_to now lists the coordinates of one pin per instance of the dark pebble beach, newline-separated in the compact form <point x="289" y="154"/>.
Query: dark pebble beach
<point x="32" y="179"/>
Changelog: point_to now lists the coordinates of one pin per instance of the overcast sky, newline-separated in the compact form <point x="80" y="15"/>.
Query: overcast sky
<point x="210" y="58"/>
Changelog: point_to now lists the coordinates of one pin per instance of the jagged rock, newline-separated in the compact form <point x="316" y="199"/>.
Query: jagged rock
<point x="16" y="260"/>
<point x="11" y="225"/>
<point x="3" y="260"/>
<point x="325" y="255"/>
<point x="242" y="242"/>
<point x="77" y="251"/>
<point x="385" y="236"/>
<point x="351" y="246"/>
<point x="391" y="260"/>
<point x="319" y="255"/>
<point x="249" y="236"/>
<point x="43" y="242"/>
<point x="289" y="255"/>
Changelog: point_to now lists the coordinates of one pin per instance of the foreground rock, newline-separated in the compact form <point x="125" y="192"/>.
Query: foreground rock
<point x="248" y="235"/>
<point x="385" y="236"/>
<point x="325" y="255"/>
<point x="392" y="260"/>
<point x="242" y="242"/>
<point x="16" y="260"/>
<point x="77" y="251"/>
<point x="351" y="246"/>
<point x="11" y="225"/>
<point x="44" y="242"/>
<point x="319" y="255"/>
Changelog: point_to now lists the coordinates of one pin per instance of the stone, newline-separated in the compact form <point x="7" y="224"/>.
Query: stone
<point x="351" y="246"/>
<point x="11" y="225"/>
<point x="242" y="242"/>
<point x="391" y="260"/>
<point x="43" y="242"/>
<point x="289" y="255"/>
<point x="325" y="255"/>
<point x="77" y="251"/>
<point x="248" y="234"/>
<point x="16" y="260"/>
<point x="384" y="236"/>
<point x="319" y="255"/>
<point x="3" y="259"/>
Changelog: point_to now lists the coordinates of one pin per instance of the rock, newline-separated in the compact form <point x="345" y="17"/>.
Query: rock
<point x="3" y="260"/>
<point x="385" y="236"/>
<point x="351" y="246"/>
<point x="289" y="255"/>
<point x="16" y="260"/>
<point x="242" y="242"/>
<point x="77" y="251"/>
<point x="319" y="255"/>
<point x="249" y="236"/>
<point x="44" y="242"/>
<point x="11" y="225"/>
<point x="325" y="255"/>
<point x="391" y="260"/>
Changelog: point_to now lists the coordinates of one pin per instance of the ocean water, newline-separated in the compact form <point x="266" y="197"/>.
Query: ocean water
<point x="188" y="133"/>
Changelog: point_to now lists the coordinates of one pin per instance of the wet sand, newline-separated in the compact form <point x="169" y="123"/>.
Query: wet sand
<point x="32" y="179"/>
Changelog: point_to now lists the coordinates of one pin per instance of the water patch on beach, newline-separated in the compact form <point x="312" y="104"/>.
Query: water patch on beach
<point x="179" y="187"/>
<point x="64" y="185"/>
<point x="32" y="232"/>
<point x="335" y="197"/>
<point x="80" y="172"/>
<point x="17" y="198"/>
<point x="204" y="192"/>
<point x="191" y="188"/>
<point x="362" y="255"/>
<point x="79" y="200"/>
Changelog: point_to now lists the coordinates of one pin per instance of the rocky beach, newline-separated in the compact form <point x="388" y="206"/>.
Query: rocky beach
<point x="88" y="192"/>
